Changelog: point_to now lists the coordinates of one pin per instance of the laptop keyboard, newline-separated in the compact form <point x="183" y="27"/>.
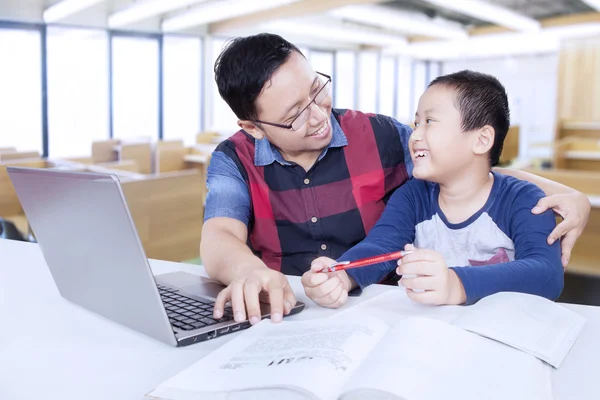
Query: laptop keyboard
<point x="186" y="313"/>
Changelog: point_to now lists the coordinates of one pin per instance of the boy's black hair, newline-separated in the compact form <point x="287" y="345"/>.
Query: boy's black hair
<point x="245" y="65"/>
<point x="481" y="100"/>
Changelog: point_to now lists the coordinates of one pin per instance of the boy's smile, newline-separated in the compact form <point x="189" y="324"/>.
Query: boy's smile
<point x="438" y="146"/>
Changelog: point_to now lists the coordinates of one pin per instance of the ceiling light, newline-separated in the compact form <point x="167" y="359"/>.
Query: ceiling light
<point x="409" y="23"/>
<point x="146" y="9"/>
<point x="595" y="4"/>
<point x="489" y="12"/>
<point x="66" y="8"/>
<point x="497" y="45"/>
<point x="333" y="32"/>
<point x="218" y="11"/>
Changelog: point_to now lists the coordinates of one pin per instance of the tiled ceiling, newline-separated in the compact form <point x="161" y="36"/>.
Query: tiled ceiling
<point x="538" y="9"/>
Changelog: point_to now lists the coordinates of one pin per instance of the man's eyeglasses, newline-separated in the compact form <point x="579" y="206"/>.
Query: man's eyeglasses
<point x="303" y="116"/>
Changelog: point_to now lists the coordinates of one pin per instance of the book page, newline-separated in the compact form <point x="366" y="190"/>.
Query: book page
<point x="426" y="359"/>
<point x="530" y="323"/>
<point x="312" y="357"/>
<point x="394" y="306"/>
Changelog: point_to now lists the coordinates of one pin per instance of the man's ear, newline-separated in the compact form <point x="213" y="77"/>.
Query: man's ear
<point x="484" y="140"/>
<point x="251" y="128"/>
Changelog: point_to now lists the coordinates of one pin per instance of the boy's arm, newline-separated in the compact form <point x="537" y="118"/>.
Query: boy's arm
<point x="573" y="206"/>
<point x="392" y="232"/>
<point x="537" y="268"/>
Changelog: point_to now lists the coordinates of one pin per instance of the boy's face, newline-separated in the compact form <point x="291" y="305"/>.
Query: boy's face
<point x="438" y="146"/>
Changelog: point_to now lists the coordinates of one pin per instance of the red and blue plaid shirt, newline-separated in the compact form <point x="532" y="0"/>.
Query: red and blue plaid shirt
<point x="294" y="216"/>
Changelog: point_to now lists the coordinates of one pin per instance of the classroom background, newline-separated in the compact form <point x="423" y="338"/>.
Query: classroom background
<point x="127" y="86"/>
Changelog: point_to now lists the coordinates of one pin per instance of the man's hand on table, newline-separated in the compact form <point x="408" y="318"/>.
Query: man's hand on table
<point x="247" y="291"/>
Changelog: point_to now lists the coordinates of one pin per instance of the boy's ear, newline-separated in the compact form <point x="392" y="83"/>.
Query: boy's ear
<point x="251" y="128"/>
<point x="484" y="140"/>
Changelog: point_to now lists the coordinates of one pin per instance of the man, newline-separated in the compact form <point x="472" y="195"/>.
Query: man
<point x="302" y="181"/>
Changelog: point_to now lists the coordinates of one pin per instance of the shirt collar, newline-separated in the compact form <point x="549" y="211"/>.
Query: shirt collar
<point x="265" y="153"/>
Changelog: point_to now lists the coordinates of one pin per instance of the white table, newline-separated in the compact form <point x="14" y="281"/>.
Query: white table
<point x="52" y="349"/>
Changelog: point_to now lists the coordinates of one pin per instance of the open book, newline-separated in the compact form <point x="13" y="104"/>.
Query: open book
<point x="532" y="324"/>
<point x="356" y="356"/>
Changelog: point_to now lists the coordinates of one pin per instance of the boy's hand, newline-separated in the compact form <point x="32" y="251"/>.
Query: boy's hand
<point x="435" y="282"/>
<point x="326" y="289"/>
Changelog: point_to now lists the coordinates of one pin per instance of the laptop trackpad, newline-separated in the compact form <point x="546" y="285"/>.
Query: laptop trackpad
<point x="192" y="284"/>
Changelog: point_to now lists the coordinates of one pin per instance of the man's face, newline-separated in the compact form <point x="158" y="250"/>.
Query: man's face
<point x="284" y="96"/>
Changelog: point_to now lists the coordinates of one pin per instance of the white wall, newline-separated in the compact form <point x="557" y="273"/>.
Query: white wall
<point x="531" y="85"/>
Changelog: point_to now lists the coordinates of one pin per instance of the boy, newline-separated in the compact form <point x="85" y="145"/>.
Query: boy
<point x="473" y="231"/>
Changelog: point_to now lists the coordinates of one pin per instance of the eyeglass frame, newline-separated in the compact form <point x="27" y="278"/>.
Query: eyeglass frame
<point x="289" y="126"/>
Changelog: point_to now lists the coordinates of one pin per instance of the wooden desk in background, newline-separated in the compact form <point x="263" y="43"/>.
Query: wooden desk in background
<point x="574" y="153"/>
<point x="168" y="208"/>
<point x="585" y="258"/>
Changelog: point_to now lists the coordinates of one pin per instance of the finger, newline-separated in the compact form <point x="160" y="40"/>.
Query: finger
<point x="566" y="245"/>
<point x="312" y="279"/>
<point x="326" y="288"/>
<point x="332" y="296"/>
<point x="409" y="247"/>
<point x="318" y="278"/>
<point x="289" y="299"/>
<point x="340" y="301"/>
<point x="306" y="279"/>
<point x="237" y="301"/>
<point x="320" y="263"/>
<point x="543" y="205"/>
<point x="222" y="298"/>
<point x="559" y="231"/>
<point x="418" y="283"/>
<point x="429" y="297"/>
<point x="251" y="292"/>
<point x="425" y="268"/>
<point x="276" y="299"/>
<point x="420" y="255"/>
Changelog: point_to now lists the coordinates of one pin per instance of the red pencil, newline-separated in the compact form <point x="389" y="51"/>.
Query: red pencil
<point x="343" y="265"/>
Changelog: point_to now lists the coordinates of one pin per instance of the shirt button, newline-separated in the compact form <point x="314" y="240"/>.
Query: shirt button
<point x="313" y="219"/>
<point x="323" y="247"/>
<point x="306" y="181"/>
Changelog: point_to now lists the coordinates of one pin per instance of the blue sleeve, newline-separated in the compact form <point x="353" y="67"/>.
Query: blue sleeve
<point x="537" y="268"/>
<point x="392" y="232"/>
<point x="405" y="131"/>
<point x="227" y="190"/>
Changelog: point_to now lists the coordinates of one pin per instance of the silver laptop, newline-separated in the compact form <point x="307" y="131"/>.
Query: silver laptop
<point x="87" y="236"/>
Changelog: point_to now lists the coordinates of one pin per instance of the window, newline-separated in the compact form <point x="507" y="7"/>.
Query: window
<point x="419" y="83"/>
<point x="404" y="112"/>
<point x="182" y="88"/>
<point x="21" y="90"/>
<point x="77" y="90"/>
<point x="135" y="87"/>
<point x="223" y="119"/>
<point x="367" y="82"/>
<point x="321" y="61"/>
<point x="434" y="70"/>
<point x="387" y="86"/>
<point x="345" y="79"/>
<point x="305" y="51"/>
